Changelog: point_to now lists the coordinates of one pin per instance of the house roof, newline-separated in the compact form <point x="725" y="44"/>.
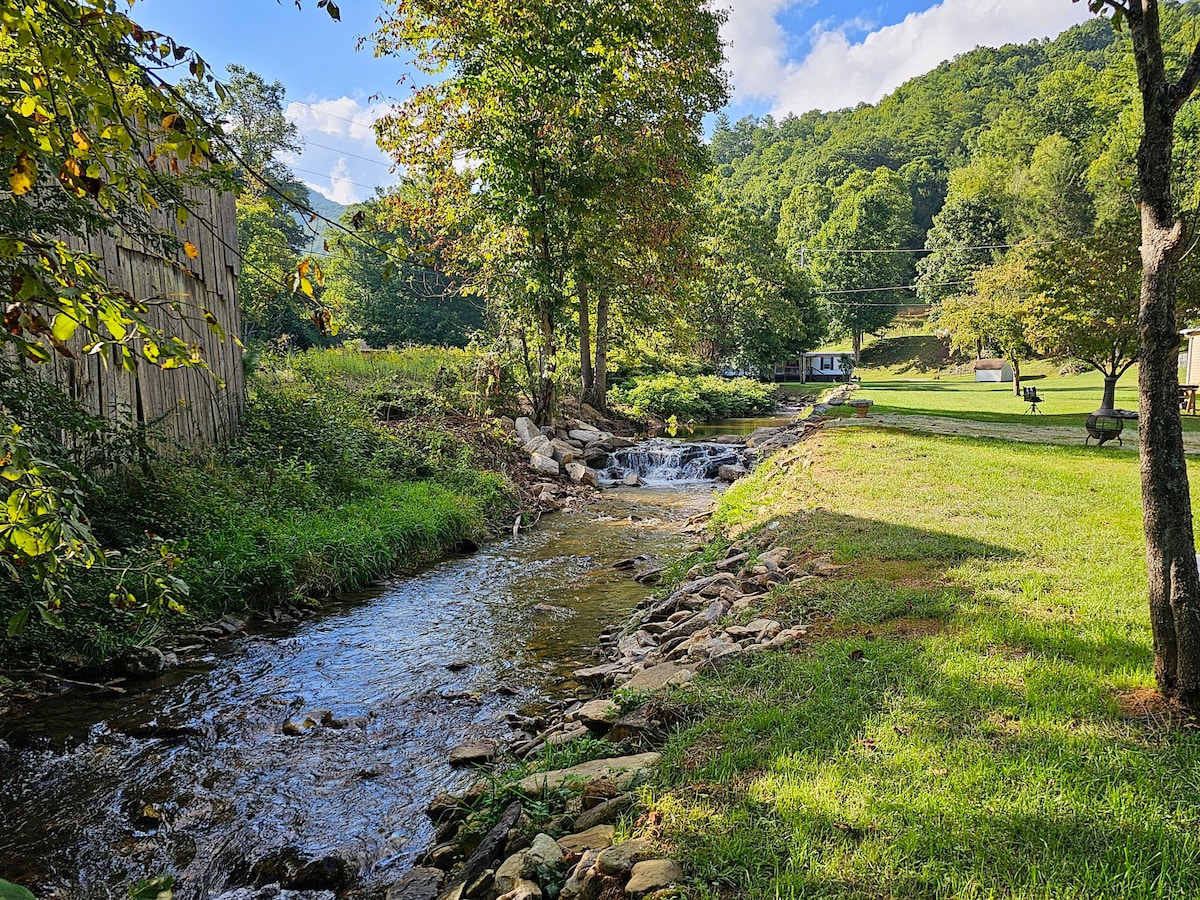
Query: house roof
<point x="987" y="365"/>
<point x="826" y="353"/>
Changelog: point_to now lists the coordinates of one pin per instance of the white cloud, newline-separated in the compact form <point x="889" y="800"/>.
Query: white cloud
<point x="341" y="159"/>
<point x="755" y="45"/>
<point x="838" y="72"/>
<point x="341" y="187"/>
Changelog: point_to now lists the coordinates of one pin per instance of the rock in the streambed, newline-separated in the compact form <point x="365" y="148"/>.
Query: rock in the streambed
<point x="631" y="480"/>
<point x="526" y="429"/>
<point x="542" y="856"/>
<point x="142" y="662"/>
<point x="584" y="883"/>
<point x="581" y="474"/>
<point x="474" y="753"/>
<point x="540" y="444"/>
<point x="596" y="838"/>
<point x="598" y="715"/>
<point x="585" y="435"/>
<point x="621" y="771"/>
<point x="290" y="868"/>
<point x="418" y="884"/>
<point x="653" y="875"/>
<point x="543" y="464"/>
<point x="603" y="813"/>
<point x="523" y="890"/>
<point x="619" y="859"/>
<point x="659" y="676"/>
<point x="490" y="847"/>
<point x="730" y="473"/>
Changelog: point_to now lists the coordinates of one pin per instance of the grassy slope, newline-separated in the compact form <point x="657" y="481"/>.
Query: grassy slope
<point x="992" y="741"/>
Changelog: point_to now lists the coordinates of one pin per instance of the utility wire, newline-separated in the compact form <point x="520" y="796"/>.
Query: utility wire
<point x="376" y="162"/>
<point x="805" y="251"/>
<point x="899" y="287"/>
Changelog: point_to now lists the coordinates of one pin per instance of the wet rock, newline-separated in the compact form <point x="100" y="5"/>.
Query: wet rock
<point x="604" y="813"/>
<point x="490" y="847"/>
<point x="653" y="875"/>
<point x="601" y="674"/>
<point x="566" y="736"/>
<point x="543" y="464"/>
<point x="621" y="771"/>
<point x="660" y="676"/>
<point x="631" y="480"/>
<point x="141" y="662"/>
<point x="290" y="868"/>
<point x="598" y="715"/>
<point x="442" y="856"/>
<point x="730" y="474"/>
<point x="596" y="838"/>
<point x="474" y="753"/>
<point x="581" y="474"/>
<point x="420" y="883"/>
<point x="619" y="859"/>
<point x="540" y="858"/>
<point x="446" y="808"/>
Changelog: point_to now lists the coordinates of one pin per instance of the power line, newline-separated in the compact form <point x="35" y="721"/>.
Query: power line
<point x="899" y="287"/>
<point x="348" y="153"/>
<point x="805" y="251"/>
<point x="322" y="112"/>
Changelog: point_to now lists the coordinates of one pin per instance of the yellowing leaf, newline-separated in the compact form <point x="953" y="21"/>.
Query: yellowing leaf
<point x="190" y="249"/>
<point x="22" y="175"/>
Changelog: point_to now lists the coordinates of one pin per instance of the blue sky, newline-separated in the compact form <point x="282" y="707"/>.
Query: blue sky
<point x="783" y="56"/>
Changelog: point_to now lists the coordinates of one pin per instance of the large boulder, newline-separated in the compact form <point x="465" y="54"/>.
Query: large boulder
<point x="420" y="883"/>
<point x="543" y="465"/>
<point x="653" y="875"/>
<point x="526" y="429"/>
<point x="581" y="474"/>
<point x="539" y="444"/>
<point x="142" y="662"/>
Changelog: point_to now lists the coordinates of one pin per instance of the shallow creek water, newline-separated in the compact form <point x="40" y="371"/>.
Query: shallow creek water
<point x="204" y="747"/>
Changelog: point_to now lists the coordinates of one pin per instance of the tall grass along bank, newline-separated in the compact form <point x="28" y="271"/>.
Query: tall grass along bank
<point x="347" y="468"/>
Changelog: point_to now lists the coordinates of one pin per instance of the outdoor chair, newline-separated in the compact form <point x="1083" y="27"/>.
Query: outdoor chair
<point x="1030" y="396"/>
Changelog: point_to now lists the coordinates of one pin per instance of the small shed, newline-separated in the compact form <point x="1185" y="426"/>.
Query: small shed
<point x="1189" y="360"/>
<point x="996" y="371"/>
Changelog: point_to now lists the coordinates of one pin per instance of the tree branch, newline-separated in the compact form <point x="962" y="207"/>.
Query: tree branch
<point x="1183" y="89"/>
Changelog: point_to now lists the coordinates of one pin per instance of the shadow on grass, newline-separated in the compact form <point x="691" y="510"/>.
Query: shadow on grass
<point x="983" y="761"/>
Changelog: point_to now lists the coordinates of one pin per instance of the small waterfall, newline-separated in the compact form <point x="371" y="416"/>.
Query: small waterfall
<point x="658" y="462"/>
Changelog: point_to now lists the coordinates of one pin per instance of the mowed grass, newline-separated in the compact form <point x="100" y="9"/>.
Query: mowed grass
<point x="1067" y="399"/>
<point x="972" y="715"/>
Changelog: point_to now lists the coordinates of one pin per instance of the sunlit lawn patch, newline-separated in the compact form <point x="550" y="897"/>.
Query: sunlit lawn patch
<point x="959" y="724"/>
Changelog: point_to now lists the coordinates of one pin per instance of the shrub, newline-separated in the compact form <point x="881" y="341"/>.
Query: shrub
<point x="696" y="398"/>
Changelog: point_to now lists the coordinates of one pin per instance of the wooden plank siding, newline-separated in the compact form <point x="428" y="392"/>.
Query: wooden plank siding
<point x="189" y="407"/>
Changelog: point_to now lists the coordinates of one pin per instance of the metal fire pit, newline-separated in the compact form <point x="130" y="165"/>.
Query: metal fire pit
<point x="1107" y="424"/>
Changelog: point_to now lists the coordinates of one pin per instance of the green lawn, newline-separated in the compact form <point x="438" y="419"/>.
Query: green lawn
<point x="1068" y="398"/>
<point x="972" y="716"/>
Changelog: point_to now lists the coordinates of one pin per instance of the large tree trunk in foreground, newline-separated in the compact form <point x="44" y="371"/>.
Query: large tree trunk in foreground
<point x="1166" y="498"/>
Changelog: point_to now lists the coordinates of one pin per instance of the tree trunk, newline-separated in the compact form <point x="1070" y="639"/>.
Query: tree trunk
<point x="858" y="340"/>
<point x="1110" y="393"/>
<point x="585" y="343"/>
<point x="1016" y="367"/>
<point x="544" y="399"/>
<point x="600" y="392"/>
<point x="1166" y="499"/>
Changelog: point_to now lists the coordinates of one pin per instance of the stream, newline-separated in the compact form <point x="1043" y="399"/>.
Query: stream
<point x="195" y="773"/>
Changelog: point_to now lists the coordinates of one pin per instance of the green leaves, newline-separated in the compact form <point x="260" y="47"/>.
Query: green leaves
<point x="10" y="891"/>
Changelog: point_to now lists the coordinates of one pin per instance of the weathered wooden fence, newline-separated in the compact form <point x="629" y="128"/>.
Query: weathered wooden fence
<point x="189" y="406"/>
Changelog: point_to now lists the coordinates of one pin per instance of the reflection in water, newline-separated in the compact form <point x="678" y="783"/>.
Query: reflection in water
<point x="194" y="774"/>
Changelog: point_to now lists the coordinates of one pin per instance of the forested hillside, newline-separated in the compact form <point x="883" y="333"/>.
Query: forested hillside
<point x="1017" y="162"/>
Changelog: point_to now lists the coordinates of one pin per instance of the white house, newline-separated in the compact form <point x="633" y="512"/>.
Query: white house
<point x="818" y="365"/>
<point x="997" y="371"/>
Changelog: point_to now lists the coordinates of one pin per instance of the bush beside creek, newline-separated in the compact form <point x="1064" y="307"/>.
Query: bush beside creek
<point x="695" y="398"/>
<point x="347" y="466"/>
